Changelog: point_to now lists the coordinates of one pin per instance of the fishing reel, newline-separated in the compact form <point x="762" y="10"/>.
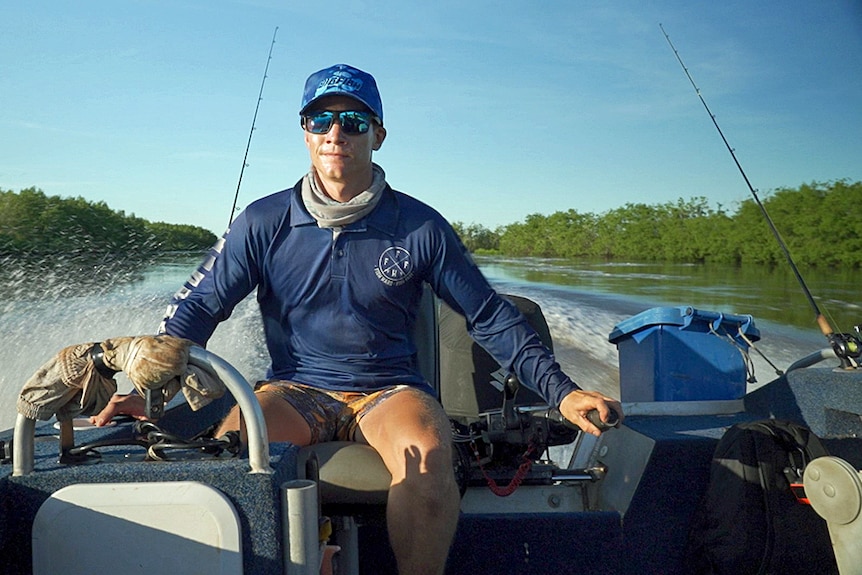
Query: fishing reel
<point x="847" y="347"/>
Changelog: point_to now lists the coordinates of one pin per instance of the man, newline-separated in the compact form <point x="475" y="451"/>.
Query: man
<point x="338" y="262"/>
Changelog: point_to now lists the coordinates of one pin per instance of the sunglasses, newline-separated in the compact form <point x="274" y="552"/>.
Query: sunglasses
<point x="351" y="122"/>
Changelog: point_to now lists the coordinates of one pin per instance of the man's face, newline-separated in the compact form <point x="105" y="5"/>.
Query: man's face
<point x="338" y="157"/>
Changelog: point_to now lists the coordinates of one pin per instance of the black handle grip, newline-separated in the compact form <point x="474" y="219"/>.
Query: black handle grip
<point x="154" y="403"/>
<point x="554" y="416"/>
<point x="593" y="416"/>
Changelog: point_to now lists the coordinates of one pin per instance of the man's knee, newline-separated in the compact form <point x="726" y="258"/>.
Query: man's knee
<point x="411" y="432"/>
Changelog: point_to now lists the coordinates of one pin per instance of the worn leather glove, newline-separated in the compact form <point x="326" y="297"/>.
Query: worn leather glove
<point x="71" y="384"/>
<point x="161" y="361"/>
<point x="67" y="385"/>
<point x="148" y="361"/>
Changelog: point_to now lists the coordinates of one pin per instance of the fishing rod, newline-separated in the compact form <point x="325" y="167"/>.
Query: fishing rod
<point x="845" y="345"/>
<point x="251" y="132"/>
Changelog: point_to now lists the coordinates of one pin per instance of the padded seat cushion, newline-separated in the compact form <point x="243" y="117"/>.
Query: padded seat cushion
<point x="349" y="473"/>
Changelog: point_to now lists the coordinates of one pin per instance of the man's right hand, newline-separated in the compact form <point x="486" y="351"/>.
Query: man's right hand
<point x="576" y="406"/>
<point x="132" y="405"/>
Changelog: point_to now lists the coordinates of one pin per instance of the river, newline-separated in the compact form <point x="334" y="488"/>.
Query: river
<point x="45" y="308"/>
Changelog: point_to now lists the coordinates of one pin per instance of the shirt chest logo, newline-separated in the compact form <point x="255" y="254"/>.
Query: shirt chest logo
<point x="394" y="266"/>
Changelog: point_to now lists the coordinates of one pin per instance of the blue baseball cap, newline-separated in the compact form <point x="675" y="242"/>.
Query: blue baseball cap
<point x="343" y="80"/>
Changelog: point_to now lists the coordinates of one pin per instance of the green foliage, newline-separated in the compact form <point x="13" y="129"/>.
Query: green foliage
<point x="32" y="224"/>
<point x="820" y="223"/>
<point x="180" y="237"/>
<point x="477" y="238"/>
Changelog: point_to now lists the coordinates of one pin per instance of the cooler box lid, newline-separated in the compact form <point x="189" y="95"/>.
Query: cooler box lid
<point x="683" y="317"/>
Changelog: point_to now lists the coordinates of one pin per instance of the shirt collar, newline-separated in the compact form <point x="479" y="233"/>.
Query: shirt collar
<point x="383" y="218"/>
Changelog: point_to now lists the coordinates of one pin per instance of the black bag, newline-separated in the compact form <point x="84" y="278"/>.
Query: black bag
<point x="750" y="520"/>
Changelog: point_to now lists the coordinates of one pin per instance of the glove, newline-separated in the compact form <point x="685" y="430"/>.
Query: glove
<point x="148" y="361"/>
<point x="152" y="362"/>
<point x="68" y="385"/>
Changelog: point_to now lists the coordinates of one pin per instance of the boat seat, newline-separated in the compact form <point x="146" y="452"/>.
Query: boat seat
<point x="350" y="473"/>
<point x="352" y="480"/>
<point x="834" y="488"/>
<point x="351" y="477"/>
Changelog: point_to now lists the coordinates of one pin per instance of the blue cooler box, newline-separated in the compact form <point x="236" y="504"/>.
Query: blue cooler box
<point x="682" y="354"/>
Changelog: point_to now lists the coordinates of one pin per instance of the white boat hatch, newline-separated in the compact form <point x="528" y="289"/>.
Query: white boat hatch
<point x="181" y="528"/>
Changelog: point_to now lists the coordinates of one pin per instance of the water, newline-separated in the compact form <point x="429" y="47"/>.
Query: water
<point x="44" y="308"/>
<point x="583" y="303"/>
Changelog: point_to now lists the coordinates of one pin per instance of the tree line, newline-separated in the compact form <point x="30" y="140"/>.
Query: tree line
<point x="821" y="224"/>
<point x="35" y="224"/>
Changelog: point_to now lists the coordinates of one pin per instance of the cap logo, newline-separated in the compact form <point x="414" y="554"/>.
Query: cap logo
<point x="341" y="81"/>
<point x="345" y="80"/>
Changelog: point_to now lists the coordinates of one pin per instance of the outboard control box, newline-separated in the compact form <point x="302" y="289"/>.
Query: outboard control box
<point x="683" y="354"/>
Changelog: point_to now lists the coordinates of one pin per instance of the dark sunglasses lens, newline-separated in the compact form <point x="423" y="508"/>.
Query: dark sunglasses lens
<point x="354" y="122"/>
<point x="319" y="123"/>
<point x="351" y="122"/>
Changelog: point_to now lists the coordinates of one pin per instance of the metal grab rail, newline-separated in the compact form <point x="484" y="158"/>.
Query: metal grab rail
<point x="258" y="440"/>
<point x="812" y="359"/>
<point x="23" y="451"/>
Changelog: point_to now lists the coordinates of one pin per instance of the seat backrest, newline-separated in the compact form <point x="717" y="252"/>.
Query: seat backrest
<point x="470" y="379"/>
<point x="425" y="337"/>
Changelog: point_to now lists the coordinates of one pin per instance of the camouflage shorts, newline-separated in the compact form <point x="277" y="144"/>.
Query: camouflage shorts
<point x="331" y="415"/>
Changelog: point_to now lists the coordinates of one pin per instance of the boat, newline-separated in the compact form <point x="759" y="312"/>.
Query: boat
<point x="77" y="500"/>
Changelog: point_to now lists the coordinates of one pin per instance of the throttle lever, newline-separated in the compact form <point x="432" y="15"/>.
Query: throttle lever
<point x="554" y="415"/>
<point x="596" y="419"/>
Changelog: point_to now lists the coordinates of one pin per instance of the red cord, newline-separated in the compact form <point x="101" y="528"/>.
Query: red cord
<point x="516" y="481"/>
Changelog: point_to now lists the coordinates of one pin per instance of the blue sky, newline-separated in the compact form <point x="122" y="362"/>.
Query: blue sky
<point x="495" y="110"/>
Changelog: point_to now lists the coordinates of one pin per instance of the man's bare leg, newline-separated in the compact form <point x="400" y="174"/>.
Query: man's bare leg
<point x="283" y="421"/>
<point x="412" y="434"/>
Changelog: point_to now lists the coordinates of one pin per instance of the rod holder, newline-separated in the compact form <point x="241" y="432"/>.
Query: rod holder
<point x="300" y="527"/>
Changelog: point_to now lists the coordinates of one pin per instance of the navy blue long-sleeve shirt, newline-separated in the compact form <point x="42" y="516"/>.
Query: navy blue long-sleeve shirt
<point x="338" y="309"/>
